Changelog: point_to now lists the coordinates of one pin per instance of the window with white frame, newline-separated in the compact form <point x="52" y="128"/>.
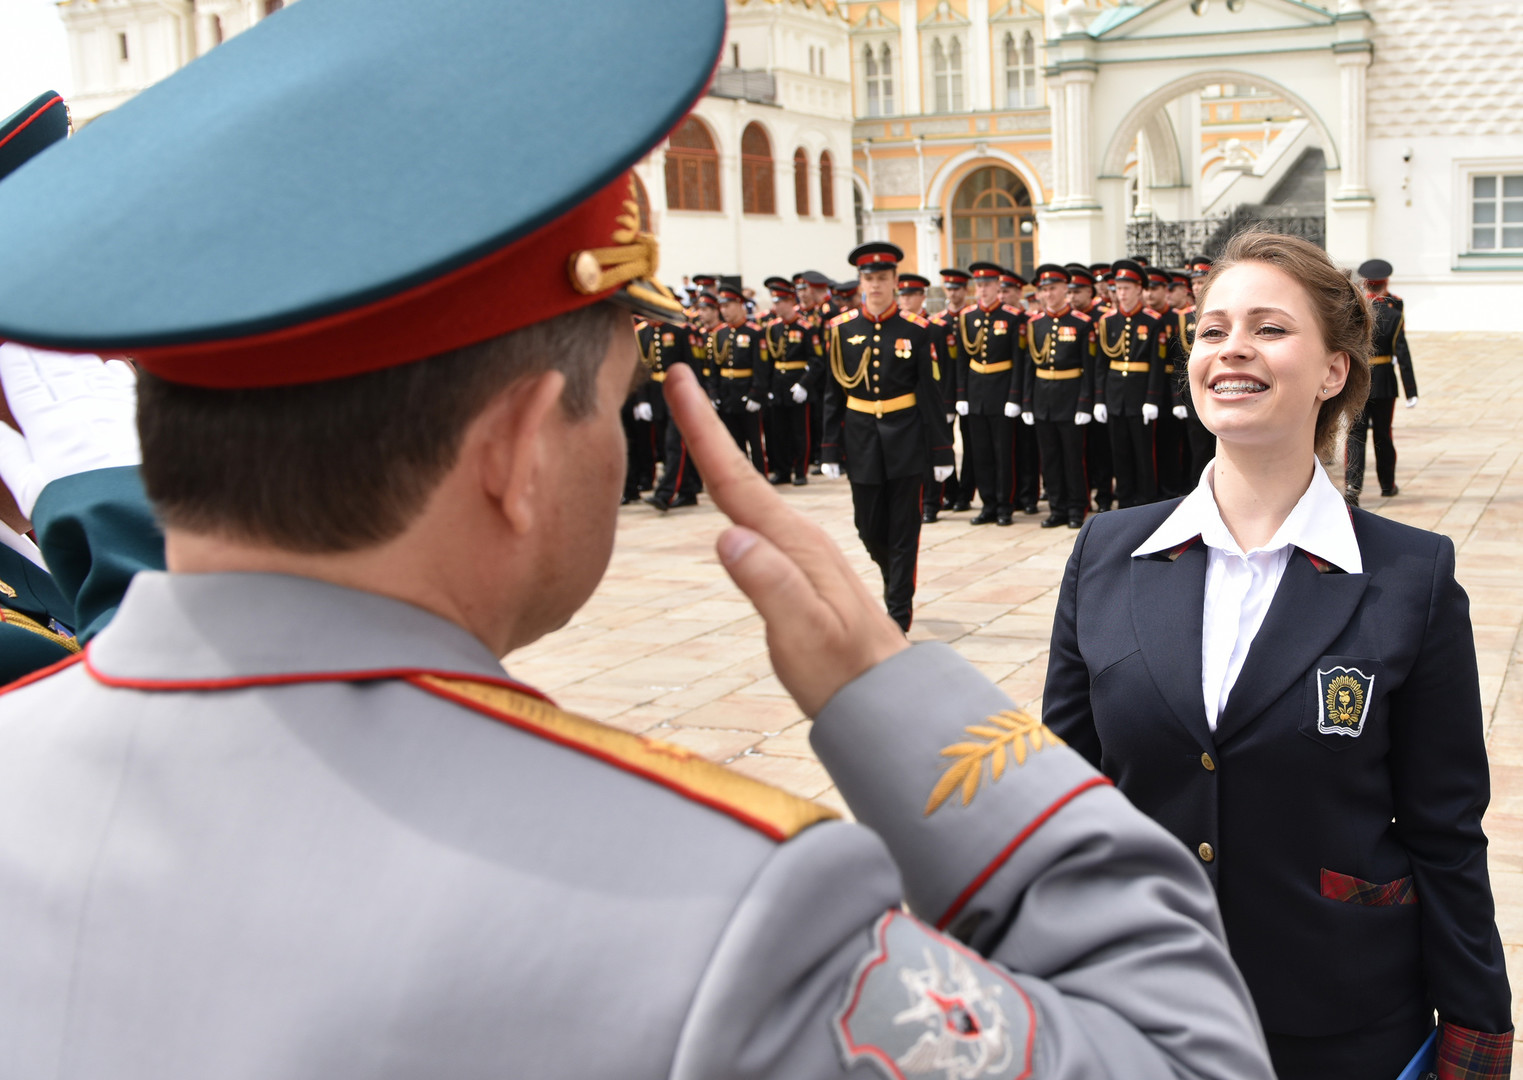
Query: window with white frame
<point x="1022" y="90"/>
<point x="1496" y="212"/>
<point x="946" y="75"/>
<point x="878" y="71"/>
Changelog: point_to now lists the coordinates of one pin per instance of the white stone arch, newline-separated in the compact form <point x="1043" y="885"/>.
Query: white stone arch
<point x="936" y="196"/>
<point x="1113" y="161"/>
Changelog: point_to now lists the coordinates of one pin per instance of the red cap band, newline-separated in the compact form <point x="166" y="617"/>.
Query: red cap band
<point x="878" y="258"/>
<point x="1128" y="275"/>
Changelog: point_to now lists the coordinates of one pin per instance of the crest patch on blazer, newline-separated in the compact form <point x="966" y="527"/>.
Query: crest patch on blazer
<point x="922" y="1005"/>
<point x="1343" y="695"/>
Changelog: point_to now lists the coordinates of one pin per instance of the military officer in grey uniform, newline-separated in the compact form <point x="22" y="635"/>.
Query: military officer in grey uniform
<point x="289" y="818"/>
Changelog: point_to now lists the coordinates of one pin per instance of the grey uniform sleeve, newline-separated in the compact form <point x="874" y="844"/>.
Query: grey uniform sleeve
<point x="1098" y="921"/>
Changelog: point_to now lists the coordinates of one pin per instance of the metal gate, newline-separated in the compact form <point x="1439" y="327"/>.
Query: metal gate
<point x="1172" y="243"/>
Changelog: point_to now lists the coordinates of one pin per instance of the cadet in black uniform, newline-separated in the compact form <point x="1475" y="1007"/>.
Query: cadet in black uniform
<point x="1058" y="393"/>
<point x="662" y="347"/>
<point x="990" y="335"/>
<point x="793" y="347"/>
<point x="1170" y="449"/>
<point x="1097" y="444"/>
<point x="742" y="374"/>
<point x="958" y="491"/>
<point x="640" y="434"/>
<point x="882" y="403"/>
<point x="912" y="292"/>
<point x="1129" y="384"/>
<point x="1202" y="443"/>
<point x="1390" y="345"/>
<point x="813" y="289"/>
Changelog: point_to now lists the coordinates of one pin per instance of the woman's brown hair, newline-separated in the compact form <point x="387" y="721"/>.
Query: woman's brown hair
<point x="1343" y="314"/>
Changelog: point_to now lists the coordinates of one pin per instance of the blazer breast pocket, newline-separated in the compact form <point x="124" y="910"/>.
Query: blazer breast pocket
<point x="1352" y="890"/>
<point x="1344" y="697"/>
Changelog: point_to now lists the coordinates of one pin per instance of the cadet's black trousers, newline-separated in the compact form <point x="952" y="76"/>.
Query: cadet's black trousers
<point x="640" y="458"/>
<point x="888" y="521"/>
<point x="1202" y="449"/>
<point x="678" y="476"/>
<point x="1132" y="458"/>
<point x="746" y="427"/>
<point x="1062" y="446"/>
<point x="1025" y="469"/>
<point x="1376" y="418"/>
<point x="788" y="440"/>
<point x="1097" y="458"/>
<point x="1173" y="450"/>
<point x="963" y="485"/>
<point x="991" y="446"/>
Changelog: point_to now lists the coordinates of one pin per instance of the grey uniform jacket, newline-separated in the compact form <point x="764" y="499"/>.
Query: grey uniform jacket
<point x="271" y="828"/>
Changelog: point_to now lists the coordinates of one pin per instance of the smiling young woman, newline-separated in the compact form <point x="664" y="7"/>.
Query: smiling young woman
<point x="1290" y="688"/>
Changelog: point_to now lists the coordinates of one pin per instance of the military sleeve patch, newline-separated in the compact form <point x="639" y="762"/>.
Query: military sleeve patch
<point x="1344" y="696"/>
<point x="920" y="1004"/>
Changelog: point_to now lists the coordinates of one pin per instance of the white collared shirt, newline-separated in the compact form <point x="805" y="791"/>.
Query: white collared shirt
<point x="1240" y="585"/>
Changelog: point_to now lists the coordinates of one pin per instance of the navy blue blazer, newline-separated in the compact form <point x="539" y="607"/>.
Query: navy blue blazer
<point x="1351" y="869"/>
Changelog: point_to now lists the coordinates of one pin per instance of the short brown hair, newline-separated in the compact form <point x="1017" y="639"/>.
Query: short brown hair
<point x="1342" y="312"/>
<point x="347" y="463"/>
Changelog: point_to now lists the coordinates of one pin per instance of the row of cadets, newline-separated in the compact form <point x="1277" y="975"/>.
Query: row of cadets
<point x="1088" y="291"/>
<point x="798" y="364"/>
<point x="1388" y="351"/>
<point x="1130" y="383"/>
<point x="742" y="374"/>
<point x="990" y="336"/>
<point x="1058" y="393"/>
<point x="814" y="297"/>
<point x="664" y="345"/>
<point x="912" y="295"/>
<point x="884" y="410"/>
<point x="957" y="493"/>
<point x="1165" y="288"/>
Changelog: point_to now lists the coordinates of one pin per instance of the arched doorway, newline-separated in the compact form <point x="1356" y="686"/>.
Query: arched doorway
<point x="993" y="221"/>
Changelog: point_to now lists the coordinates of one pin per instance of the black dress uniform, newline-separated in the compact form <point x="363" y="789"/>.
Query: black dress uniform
<point x="883" y="407"/>
<point x="742" y="377"/>
<point x="1058" y="386"/>
<point x="817" y="315"/>
<point x="798" y="359"/>
<point x="1129" y="374"/>
<point x="1172" y="437"/>
<point x="642" y="437"/>
<point x="957" y="492"/>
<point x="990" y="340"/>
<point x="1202" y="443"/>
<point x="1387" y="351"/>
<point x="1097" y="444"/>
<point x="662" y="347"/>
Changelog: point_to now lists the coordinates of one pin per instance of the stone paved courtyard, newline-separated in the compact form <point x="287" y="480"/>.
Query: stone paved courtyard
<point x="668" y="646"/>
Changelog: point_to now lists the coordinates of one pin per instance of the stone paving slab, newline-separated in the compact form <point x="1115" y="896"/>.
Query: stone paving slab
<point x="669" y="646"/>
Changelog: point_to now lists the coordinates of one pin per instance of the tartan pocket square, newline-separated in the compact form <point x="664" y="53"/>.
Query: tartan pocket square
<point x="1352" y="890"/>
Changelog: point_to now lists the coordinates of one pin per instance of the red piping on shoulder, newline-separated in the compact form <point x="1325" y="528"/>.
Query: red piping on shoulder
<point x="42" y="673"/>
<point x="242" y="682"/>
<point x="1004" y="856"/>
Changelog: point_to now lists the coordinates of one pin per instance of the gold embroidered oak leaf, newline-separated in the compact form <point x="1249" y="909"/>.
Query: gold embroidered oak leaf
<point x="1006" y="733"/>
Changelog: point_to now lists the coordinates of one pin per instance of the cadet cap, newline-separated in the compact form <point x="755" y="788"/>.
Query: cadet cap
<point x="953" y="276"/>
<point x="780" y="287"/>
<point x="31" y="129"/>
<point x="1078" y="274"/>
<point x="1375" y="270"/>
<point x="732" y="292"/>
<point x="1050" y="273"/>
<point x="813" y="277"/>
<point x="911" y="283"/>
<point x="1129" y="270"/>
<point x="356" y="184"/>
<point x="875" y="255"/>
<point x="707" y="299"/>
<point x="1008" y="277"/>
<point x="983" y="271"/>
<point x="1200" y="266"/>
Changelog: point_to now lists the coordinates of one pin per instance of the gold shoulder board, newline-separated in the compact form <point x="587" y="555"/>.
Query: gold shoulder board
<point x="769" y="810"/>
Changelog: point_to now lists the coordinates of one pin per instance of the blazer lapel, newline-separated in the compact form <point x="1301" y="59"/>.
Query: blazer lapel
<point x="1168" y="601"/>
<point x="1310" y="609"/>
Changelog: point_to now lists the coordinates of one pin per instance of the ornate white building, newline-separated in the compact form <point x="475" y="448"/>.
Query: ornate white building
<point x="1050" y="130"/>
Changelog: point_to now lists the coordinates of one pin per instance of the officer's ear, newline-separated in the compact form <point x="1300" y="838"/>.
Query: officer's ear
<point x="512" y="443"/>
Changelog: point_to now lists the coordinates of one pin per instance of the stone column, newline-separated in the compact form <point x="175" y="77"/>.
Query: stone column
<point x="982" y="61"/>
<point x="909" y="58"/>
<point x="1352" y="65"/>
<point x="1144" y="178"/>
<point x="1057" y="102"/>
<point x="1081" y="176"/>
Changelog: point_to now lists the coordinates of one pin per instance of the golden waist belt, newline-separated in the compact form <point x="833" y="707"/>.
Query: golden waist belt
<point x="735" y="372"/>
<point x="989" y="369"/>
<point x="1380" y="360"/>
<point x="1059" y="373"/>
<point x="658" y="376"/>
<point x="791" y="365"/>
<point x="878" y="408"/>
<point x="1121" y="365"/>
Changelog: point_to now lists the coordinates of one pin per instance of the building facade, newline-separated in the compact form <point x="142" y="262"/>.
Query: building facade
<point x="1029" y="131"/>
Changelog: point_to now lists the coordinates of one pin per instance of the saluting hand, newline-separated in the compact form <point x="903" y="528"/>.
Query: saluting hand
<point x="823" y="626"/>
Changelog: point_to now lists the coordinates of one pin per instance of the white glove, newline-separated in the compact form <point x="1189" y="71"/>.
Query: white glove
<point x="941" y="472"/>
<point x="1102" y="414"/>
<point x="753" y="406"/>
<point x="1029" y="418"/>
<point x="76" y="414"/>
<point x="800" y="395"/>
<point x="1412" y="401"/>
<point x="1012" y="410"/>
<point x="1149" y="413"/>
<point x="1181" y="413"/>
<point x="962" y="408"/>
<point x="1082" y="418"/>
<point x="830" y="471"/>
<point x="643" y="411"/>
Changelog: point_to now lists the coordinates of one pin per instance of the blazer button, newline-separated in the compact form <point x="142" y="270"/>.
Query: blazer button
<point x="1207" y="852"/>
<point x="1207" y="763"/>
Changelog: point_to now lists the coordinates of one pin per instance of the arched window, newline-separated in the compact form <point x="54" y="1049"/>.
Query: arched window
<point x="757" y="195"/>
<point x="801" y="182"/>
<point x="692" y="168"/>
<point x="827" y="185"/>
<point x="878" y="72"/>
<point x="946" y="75"/>
<point x="642" y="200"/>
<point x="992" y="220"/>
<point x="1022" y="91"/>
